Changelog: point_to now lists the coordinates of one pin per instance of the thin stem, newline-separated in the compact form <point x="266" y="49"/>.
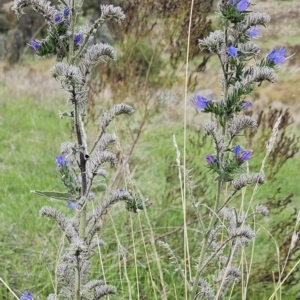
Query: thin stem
<point x="94" y="27"/>
<point x="205" y="243"/>
<point x="226" y="202"/>
<point x="186" y="241"/>
<point x="72" y="27"/>
<point x="7" y="286"/>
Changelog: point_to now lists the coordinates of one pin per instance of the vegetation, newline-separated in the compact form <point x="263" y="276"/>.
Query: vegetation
<point x="30" y="140"/>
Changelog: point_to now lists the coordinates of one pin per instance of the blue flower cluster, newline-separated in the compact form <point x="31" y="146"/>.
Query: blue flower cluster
<point x="277" y="57"/>
<point x="59" y="18"/>
<point x="241" y="156"/>
<point x="61" y="161"/>
<point x="26" y="296"/>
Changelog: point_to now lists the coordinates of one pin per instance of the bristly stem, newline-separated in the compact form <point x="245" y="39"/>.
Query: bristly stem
<point x="82" y="166"/>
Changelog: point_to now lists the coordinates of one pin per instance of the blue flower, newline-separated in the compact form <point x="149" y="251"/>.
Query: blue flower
<point x="26" y="296"/>
<point x="210" y="159"/>
<point x="121" y="190"/>
<point x="277" y="58"/>
<point x="61" y="161"/>
<point x="66" y="11"/>
<point x="72" y="205"/>
<point x="35" y="45"/>
<point x="237" y="150"/>
<point x="77" y="39"/>
<point x="247" y="104"/>
<point x="232" y="51"/>
<point x="57" y="18"/>
<point x="200" y="102"/>
<point x="253" y="33"/>
<point x="242" y="5"/>
<point x="246" y="155"/>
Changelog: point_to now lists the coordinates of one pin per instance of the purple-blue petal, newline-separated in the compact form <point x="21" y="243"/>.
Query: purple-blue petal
<point x="277" y="57"/>
<point x="61" y="161"/>
<point x="242" y="5"/>
<point x="77" y="39"/>
<point x="72" y="205"/>
<point x="26" y="296"/>
<point x="232" y="51"/>
<point x="57" y="18"/>
<point x="253" y="33"/>
<point x="247" y="104"/>
<point x="210" y="159"/>
<point x="200" y="102"/>
<point x="66" y="11"/>
<point x="35" y="45"/>
<point x="246" y="155"/>
<point x="237" y="150"/>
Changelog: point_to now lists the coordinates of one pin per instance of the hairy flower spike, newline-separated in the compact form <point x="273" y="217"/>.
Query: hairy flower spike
<point x="254" y="19"/>
<point x="214" y="42"/>
<point x="210" y="129"/>
<point x="249" y="48"/>
<point x="206" y="290"/>
<point x="116" y="110"/>
<point x="65" y="224"/>
<point x="171" y="256"/>
<point x="260" y="74"/>
<point x="262" y="210"/>
<point x="42" y="6"/>
<point x="226" y="277"/>
<point x="112" y="12"/>
<point x="105" y="290"/>
<point x="239" y="124"/>
<point x="245" y="180"/>
<point x="94" y="54"/>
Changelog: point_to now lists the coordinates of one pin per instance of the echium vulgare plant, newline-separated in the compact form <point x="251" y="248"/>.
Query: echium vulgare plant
<point x="79" y="163"/>
<point x="226" y="233"/>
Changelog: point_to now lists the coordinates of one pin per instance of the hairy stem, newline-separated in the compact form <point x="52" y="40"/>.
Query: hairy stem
<point x="82" y="165"/>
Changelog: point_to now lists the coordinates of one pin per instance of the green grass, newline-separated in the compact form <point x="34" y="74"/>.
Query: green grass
<point x="30" y="138"/>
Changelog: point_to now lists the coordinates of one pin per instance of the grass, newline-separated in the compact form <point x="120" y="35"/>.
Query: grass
<point x="31" y="134"/>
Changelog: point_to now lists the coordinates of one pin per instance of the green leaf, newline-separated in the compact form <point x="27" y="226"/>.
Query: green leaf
<point x="55" y="195"/>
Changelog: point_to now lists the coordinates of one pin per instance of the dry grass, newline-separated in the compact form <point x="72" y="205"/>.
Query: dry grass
<point x="30" y="79"/>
